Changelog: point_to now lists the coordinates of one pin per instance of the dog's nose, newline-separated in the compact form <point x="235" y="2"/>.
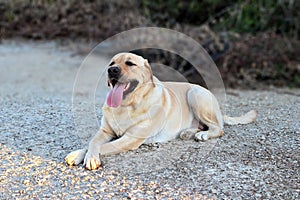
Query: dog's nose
<point x="114" y="70"/>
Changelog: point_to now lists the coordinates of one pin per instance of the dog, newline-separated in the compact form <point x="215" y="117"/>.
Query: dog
<point x="140" y="109"/>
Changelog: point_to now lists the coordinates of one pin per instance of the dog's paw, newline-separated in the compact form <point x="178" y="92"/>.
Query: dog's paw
<point x="187" y="134"/>
<point x="92" y="161"/>
<point x="75" y="157"/>
<point x="201" y="136"/>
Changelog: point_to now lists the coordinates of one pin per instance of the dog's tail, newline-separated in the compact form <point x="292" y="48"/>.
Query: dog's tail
<point x="244" y="119"/>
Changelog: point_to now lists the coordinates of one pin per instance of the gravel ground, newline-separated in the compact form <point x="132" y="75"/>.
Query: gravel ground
<point x="255" y="161"/>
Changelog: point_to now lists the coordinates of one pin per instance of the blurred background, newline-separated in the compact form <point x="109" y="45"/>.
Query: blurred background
<point x="254" y="43"/>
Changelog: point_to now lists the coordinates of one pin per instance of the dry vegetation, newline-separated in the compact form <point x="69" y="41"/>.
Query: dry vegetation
<point x="267" y="56"/>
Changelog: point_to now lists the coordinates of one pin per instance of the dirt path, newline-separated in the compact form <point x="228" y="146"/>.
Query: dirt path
<point x="255" y="161"/>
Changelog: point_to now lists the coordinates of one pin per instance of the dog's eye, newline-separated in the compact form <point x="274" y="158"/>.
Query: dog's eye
<point x="112" y="63"/>
<point x="129" y="63"/>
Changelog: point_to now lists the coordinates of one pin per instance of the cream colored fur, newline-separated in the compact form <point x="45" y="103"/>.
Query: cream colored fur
<point x="154" y="112"/>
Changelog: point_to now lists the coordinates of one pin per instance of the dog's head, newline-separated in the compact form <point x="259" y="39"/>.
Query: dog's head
<point x="127" y="73"/>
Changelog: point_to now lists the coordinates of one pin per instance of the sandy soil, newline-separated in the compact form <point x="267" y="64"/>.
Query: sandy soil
<point x="255" y="161"/>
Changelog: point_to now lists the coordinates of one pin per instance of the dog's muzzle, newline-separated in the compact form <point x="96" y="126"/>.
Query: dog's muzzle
<point x="114" y="72"/>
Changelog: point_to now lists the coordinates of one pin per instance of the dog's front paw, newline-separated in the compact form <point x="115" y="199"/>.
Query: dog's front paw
<point x="75" y="157"/>
<point x="92" y="161"/>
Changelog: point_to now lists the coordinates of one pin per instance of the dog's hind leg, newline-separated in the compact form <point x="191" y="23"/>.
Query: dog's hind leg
<point x="212" y="132"/>
<point x="206" y="109"/>
<point x="188" y="133"/>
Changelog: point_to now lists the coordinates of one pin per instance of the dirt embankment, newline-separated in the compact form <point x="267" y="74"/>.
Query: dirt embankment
<point x="252" y="61"/>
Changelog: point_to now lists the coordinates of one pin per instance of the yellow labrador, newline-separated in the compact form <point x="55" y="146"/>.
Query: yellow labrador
<point x="141" y="109"/>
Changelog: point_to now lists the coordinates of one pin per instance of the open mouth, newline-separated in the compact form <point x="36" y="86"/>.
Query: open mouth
<point x="119" y="91"/>
<point x="128" y="87"/>
<point x="112" y="82"/>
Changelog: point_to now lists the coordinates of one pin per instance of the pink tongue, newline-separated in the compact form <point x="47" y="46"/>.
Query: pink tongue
<point x="115" y="96"/>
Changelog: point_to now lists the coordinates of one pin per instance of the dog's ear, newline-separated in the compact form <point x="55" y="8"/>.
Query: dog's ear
<point x="147" y="65"/>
